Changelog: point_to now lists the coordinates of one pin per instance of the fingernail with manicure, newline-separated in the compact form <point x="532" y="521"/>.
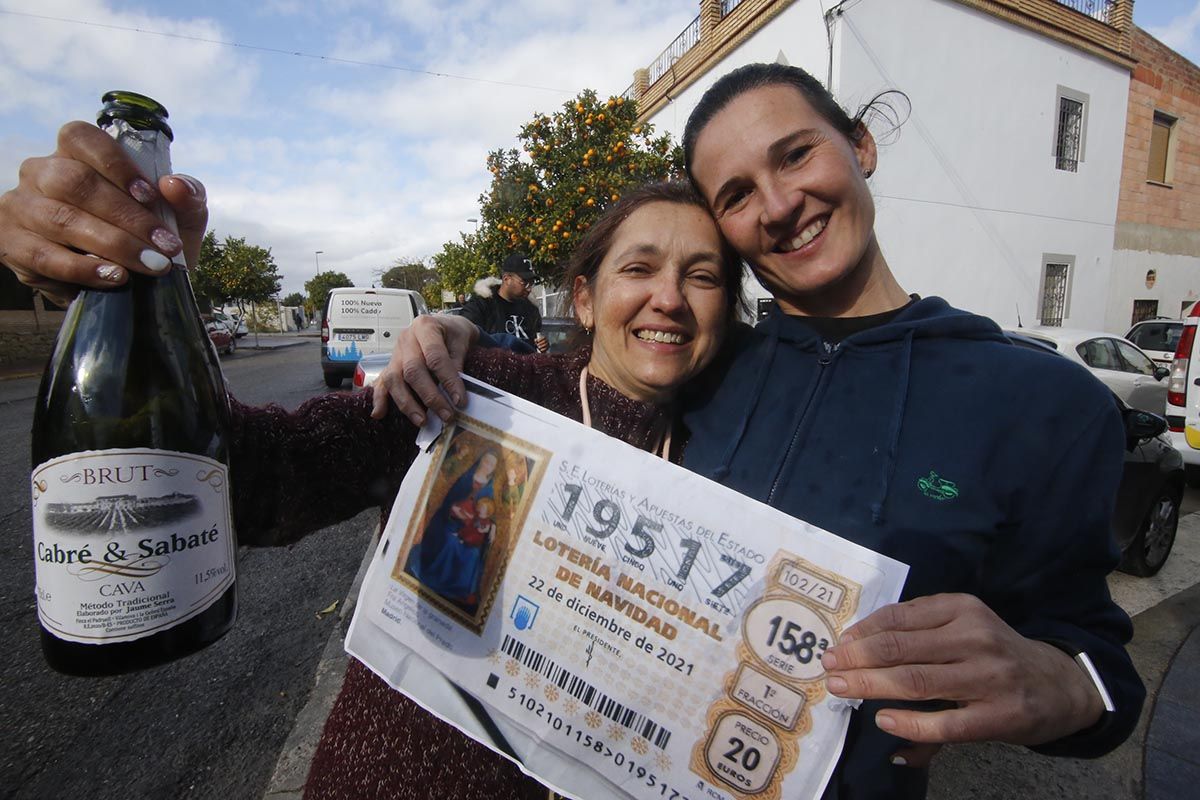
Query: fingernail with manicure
<point x="110" y="273"/>
<point x="837" y="685"/>
<point x="165" y="240"/>
<point x="194" y="186"/>
<point x="142" y="191"/>
<point x="155" y="261"/>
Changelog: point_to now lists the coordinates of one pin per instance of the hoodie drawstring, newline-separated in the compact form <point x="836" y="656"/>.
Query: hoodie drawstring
<point x="889" y="461"/>
<point x="722" y="471"/>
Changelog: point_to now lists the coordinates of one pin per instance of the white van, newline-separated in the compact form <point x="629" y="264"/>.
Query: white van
<point x="1183" y="396"/>
<point x="358" y="322"/>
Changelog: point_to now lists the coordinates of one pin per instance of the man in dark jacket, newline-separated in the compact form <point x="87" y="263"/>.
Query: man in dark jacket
<point x="505" y="307"/>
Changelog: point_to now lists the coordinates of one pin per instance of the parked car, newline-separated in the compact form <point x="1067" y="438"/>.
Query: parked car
<point x="1147" y="513"/>
<point x="1157" y="338"/>
<point x="559" y="331"/>
<point x="1118" y="363"/>
<point x="359" y="322"/>
<point x="219" y="335"/>
<point x="1183" y="397"/>
<point x="233" y="323"/>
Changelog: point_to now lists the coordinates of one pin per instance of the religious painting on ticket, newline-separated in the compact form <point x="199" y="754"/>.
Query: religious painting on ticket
<point x="474" y="501"/>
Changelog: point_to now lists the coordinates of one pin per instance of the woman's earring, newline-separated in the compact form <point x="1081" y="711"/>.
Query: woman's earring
<point x="868" y="173"/>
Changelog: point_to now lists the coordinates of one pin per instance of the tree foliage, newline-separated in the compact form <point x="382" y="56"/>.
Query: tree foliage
<point x="250" y="274"/>
<point x="460" y="264"/>
<point x="572" y="165"/>
<point x="204" y="273"/>
<point x="407" y="273"/>
<point x="293" y="299"/>
<point x="318" y="287"/>
<point x="234" y="271"/>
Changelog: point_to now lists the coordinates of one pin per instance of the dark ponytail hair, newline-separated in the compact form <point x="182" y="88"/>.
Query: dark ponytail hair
<point x="756" y="76"/>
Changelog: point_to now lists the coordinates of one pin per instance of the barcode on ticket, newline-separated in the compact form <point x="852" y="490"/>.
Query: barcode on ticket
<point x="587" y="694"/>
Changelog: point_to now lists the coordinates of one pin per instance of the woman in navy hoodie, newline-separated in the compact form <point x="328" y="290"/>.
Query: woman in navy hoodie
<point x="910" y="427"/>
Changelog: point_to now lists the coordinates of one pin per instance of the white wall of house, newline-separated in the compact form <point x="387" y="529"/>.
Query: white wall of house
<point x="968" y="197"/>
<point x="1176" y="284"/>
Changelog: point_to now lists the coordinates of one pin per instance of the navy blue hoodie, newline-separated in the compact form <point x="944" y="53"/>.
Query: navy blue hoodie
<point x="988" y="468"/>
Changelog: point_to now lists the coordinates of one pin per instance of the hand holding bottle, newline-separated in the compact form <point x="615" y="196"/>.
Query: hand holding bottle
<point x="88" y="197"/>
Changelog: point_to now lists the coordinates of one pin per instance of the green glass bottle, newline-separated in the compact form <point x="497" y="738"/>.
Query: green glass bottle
<point x="134" y="545"/>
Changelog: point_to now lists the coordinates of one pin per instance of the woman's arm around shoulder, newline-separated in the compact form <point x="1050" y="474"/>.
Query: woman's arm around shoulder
<point x="296" y="472"/>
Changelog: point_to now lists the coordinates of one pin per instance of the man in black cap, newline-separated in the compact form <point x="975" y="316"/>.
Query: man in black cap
<point x="504" y="307"/>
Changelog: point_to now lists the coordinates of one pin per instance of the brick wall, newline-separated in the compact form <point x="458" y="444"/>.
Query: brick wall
<point x="1162" y="81"/>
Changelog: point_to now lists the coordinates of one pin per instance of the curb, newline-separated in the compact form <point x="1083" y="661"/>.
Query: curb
<point x="12" y="376"/>
<point x="295" y="758"/>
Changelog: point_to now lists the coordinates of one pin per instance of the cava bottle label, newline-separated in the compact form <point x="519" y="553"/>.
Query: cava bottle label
<point x="129" y="543"/>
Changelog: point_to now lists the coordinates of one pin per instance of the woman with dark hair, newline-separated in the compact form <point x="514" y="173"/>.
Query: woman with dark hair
<point x="848" y="403"/>
<point x="654" y="284"/>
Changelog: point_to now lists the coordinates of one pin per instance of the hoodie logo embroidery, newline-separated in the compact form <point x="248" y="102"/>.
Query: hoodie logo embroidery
<point x="937" y="488"/>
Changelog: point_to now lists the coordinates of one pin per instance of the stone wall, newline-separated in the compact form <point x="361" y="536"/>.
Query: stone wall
<point x="26" y="337"/>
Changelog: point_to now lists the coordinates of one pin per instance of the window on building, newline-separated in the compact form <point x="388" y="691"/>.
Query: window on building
<point x="1056" y="290"/>
<point x="1070" y="130"/>
<point x="1144" y="309"/>
<point x="1160" y="169"/>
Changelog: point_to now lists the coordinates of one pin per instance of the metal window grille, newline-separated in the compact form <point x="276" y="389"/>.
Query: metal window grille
<point x="1096" y="9"/>
<point x="1070" y="129"/>
<point x="728" y="6"/>
<point x="683" y="42"/>
<point x="1144" y="309"/>
<point x="1054" y="295"/>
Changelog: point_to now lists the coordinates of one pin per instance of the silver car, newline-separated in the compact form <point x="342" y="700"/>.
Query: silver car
<point x="1118" y="363"/>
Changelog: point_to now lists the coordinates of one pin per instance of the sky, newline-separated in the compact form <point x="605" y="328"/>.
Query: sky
<point x="369" y="162"/>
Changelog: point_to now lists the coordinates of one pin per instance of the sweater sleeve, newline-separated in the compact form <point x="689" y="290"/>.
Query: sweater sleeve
<point x="1048" y="579"/>
<point x="541" y="379"/>
<point x="296" y="472"/>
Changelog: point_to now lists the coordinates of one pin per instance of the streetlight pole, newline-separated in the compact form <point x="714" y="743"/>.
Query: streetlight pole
<point x="476" y="221"/>
<point x="317" y="258"/>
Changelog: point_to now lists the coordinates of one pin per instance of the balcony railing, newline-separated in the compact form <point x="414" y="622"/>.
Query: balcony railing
<point x="1096" y="9"/>
<point x="728" y="6"/>
<point x="683" y="42"/>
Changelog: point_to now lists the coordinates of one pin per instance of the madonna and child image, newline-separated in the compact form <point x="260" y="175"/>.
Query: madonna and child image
<point x="473" y="503"/>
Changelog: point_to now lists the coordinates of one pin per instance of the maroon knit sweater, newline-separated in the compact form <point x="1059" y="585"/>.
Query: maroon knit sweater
<point x="376" y="742"/>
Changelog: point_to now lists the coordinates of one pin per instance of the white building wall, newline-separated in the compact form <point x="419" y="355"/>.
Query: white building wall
<point x="1176" y="285"/>
<point x="967" y="195"/>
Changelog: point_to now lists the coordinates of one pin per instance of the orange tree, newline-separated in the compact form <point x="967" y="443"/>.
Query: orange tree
<point x="571" y="166"/>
